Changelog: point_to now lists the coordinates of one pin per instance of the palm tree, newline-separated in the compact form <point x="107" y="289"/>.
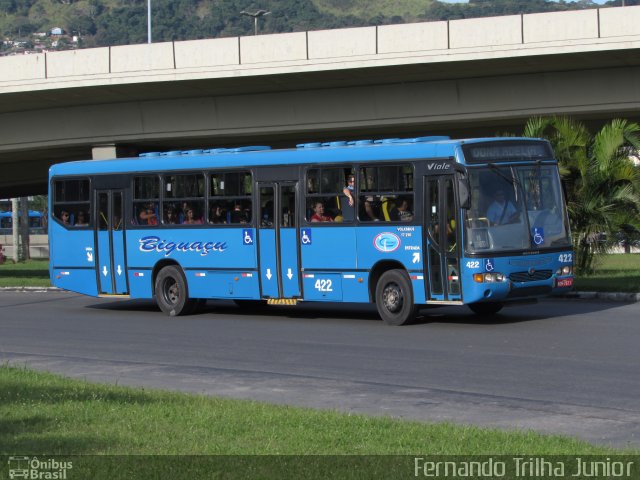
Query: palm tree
<point x="602" y="184"/>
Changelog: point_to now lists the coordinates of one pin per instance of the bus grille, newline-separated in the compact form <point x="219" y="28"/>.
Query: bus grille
<point x="530" y="277"/>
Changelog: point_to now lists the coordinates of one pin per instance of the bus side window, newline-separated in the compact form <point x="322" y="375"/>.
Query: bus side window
<point x="325" y="198"/>
<point x="146" y="198"/>
<point x="71" y="197"/>
<point x="386" y="193"/>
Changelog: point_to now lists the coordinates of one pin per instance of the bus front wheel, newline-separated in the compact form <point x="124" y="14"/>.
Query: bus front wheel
<point x="486" y="308"/>
<point x="171" y="292"/>
<point x="394" y="298"/>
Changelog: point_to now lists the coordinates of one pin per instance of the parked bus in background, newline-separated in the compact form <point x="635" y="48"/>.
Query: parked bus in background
<point x="36" y="223"/>
<point x="402" y="223"/>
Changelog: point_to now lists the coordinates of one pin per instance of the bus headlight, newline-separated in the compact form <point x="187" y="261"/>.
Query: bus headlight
<point x="488" y="277"/>
<point x="566" y="270"/>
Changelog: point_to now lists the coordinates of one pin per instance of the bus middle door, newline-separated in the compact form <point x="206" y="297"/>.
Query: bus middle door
<point x="110" y="242"/>
<point x="277" y="240"/>
<point x="442" y="246"/>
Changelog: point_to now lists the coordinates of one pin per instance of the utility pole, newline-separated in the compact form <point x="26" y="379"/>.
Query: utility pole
<point x="24" y="228"/>
<point x="148" y="21"/>
<point x="255" y="15"/>
<point x="15" y="230"/>
<point x="20" y="228"/>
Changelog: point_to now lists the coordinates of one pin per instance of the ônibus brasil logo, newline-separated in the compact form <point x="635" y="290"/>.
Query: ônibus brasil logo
<point x="33" y="468"/>
<point x="386" y="242"/>
<point x="156" y="244"/>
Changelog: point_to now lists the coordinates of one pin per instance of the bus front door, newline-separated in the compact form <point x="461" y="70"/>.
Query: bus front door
<point x="277" y="240"/>
<point x="110" y="242"/>
<point x="443" y="257"/>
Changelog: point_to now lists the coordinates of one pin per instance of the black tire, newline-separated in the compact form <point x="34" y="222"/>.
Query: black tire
<point x="486" y="308"/>
<point x="171" y="292"/>
<point x="394" y="298"/>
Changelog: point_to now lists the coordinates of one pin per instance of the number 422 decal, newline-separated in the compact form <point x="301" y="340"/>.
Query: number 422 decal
<point x="323" y="285"/>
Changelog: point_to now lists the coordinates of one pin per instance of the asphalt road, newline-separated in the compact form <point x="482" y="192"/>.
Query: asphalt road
<point x="561" y="366"/>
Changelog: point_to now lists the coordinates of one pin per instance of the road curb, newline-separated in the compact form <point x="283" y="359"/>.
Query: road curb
<point x="609" y="296"/>
<point x="31" y="289"/>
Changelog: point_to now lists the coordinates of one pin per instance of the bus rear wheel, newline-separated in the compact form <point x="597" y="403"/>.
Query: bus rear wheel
<point x="171" y="292"/>
<point x="394" y="298"/>
<point x="486" y="308"/>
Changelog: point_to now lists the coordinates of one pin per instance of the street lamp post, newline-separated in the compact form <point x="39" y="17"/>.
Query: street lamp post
<point x="255" y="15"/>
<point x="148" y="21"/>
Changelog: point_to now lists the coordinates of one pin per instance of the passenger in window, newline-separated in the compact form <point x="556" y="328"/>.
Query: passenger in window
<point x="182" y="214"/>
<point x="170" y="217"/>
<point x="267" y="214"/>
<point x="318" y="213"/>
<point x="346" y="205"/>
<point x="349" y="190"/>
<point x="148" y="215"/>
<point x="401" y="212"/>
<point x="370" y="210"/>
<point x="81" y="220"/>
<point x="190" y="217"/>
<point x="239" y="215"/>
<point x="217" y="214"/>
<point x="64" y="216"/>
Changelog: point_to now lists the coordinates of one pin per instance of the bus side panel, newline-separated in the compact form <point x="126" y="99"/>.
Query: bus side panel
<point x="322" y="287"/>
<point x="140" y="283"/>
<point x="216" y="284"/>
<point x="327" y="247"/>
<point x="76" y="280"/>
<point x="355" y="287"/>
<point x="191" y="248"/>
<point x="390" y="242"/>
<point x="201" y="249"/>
<point x="72" y="259"/>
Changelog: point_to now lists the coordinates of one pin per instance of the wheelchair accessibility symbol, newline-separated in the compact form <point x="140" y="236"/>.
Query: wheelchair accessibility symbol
<point x="538" y="235"/>
<point x="305" y="236"/>
<point x="247" y="237"/>
<point x="488" y="265"/>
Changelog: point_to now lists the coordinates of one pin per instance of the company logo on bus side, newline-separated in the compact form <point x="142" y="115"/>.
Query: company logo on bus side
<point x="155" y="244"/>
<point x="386" y="242"/>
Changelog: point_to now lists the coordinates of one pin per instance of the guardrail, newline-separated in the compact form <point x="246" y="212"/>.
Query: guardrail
<point x="437" y="38"/>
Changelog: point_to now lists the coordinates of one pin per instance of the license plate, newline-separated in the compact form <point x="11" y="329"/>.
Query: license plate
<point x="565" y="282"/>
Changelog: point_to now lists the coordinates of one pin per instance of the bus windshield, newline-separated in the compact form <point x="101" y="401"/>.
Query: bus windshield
<point x="515" y="208"/>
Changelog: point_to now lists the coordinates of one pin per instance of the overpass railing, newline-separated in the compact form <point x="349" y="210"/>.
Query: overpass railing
<point x="342" y="48"/>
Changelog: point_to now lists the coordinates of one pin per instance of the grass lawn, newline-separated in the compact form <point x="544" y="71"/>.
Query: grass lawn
<point x="614" y="273"/>
<point x="43" y="414"/>
<point x="34" y="273"/>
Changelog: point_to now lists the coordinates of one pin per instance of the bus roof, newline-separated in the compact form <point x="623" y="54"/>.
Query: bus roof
<point x="32" y="213"/>
<point x="307" y="153"/>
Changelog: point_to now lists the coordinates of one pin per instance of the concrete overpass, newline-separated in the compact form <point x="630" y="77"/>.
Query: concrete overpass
<point x="463" y="77"/>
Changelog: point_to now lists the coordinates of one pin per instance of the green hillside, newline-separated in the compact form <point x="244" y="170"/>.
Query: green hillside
<point x="117" y="22"/>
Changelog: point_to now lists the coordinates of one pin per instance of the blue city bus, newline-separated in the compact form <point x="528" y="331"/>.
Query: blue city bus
<point x="36" y="225"/>
<point x="401" y="223"/>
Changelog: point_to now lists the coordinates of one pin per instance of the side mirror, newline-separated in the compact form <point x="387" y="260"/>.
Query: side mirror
<point x="464" y="190"/>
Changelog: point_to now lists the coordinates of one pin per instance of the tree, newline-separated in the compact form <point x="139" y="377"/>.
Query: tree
<point x="602" y="184"/>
